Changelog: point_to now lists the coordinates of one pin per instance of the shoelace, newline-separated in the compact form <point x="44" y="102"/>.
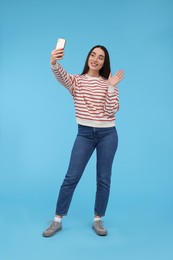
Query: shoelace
<point x="53" y="225"/>
<point x="100" y="224"/>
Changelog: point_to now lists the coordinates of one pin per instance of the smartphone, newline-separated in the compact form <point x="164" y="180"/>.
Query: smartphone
<point x="60" y="43"/>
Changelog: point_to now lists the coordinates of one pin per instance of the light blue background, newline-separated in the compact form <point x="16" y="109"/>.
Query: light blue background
<point x="38" y="129"/>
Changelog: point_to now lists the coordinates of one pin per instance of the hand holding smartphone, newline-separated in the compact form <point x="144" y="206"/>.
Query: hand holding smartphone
<point x="58" y="53"/>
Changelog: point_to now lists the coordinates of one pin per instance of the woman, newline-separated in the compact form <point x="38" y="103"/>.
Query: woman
<point x="96" y="101"/>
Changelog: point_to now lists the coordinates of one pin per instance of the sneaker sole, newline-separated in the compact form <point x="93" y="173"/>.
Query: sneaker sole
<point x="44" y="235"/>
<point x="98" y="233"/>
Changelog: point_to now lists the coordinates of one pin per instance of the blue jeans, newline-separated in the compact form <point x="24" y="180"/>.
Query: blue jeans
<point x="105" y="141"/>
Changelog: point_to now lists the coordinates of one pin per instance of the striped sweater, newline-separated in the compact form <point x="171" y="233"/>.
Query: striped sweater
<point x="96" y="102"/>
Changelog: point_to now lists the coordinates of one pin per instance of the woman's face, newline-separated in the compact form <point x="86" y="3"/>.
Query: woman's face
<point x="96" y="60"/>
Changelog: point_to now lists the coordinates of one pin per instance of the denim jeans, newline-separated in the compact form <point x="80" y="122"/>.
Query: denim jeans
<point x="105" y="141"/>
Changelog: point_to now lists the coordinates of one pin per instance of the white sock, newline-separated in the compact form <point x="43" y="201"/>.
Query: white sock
<point x="97" y="218"/>
<point x="57" y="219"/>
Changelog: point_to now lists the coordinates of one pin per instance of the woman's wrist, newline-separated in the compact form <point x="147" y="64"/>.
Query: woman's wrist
<point x="52" y="62"/>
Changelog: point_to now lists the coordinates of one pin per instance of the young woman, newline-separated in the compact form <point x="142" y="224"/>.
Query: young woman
<point x="96" y="101"/>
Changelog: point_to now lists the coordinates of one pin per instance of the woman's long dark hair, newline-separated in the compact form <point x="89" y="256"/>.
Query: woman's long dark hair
<point x="106" y="69"/>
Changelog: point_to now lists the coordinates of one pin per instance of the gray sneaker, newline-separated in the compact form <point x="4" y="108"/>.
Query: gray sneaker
<point x="99" y="228"/>
<point x="52" y="229"/>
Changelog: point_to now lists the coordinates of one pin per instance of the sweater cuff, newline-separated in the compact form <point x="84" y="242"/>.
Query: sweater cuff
<point x="111" y="89"/>
<point x="54" y="67"/>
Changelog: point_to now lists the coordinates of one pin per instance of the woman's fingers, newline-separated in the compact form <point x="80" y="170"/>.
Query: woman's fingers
<point x="57" y="54"/>
<point x="120" y="74"/>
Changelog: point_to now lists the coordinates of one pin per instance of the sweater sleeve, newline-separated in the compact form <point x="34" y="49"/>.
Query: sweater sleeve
<point x="68" y="81"/>
<point x="112" y="101"/>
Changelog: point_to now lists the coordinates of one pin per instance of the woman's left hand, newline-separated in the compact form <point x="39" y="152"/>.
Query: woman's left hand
<point x="115" y="79"/>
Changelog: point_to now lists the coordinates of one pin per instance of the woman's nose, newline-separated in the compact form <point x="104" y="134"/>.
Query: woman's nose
<point x="95" y="58"/>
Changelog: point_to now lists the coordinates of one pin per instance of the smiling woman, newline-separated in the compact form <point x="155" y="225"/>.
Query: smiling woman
<point x="98" y="55"/>
<point x="95" y="62"/>
<point x="96" y="101"/>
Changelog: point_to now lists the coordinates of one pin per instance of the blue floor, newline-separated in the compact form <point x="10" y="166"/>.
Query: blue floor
<point x="138" y="230"/>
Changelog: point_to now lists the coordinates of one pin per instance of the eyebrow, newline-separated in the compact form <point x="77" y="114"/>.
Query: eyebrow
<point x="99" y="55"/>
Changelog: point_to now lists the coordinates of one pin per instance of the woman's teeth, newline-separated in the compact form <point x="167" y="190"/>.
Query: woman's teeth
<point x="94" y="64"/>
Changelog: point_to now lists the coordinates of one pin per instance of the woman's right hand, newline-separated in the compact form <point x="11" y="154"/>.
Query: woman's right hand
<point x="56" y="55"/>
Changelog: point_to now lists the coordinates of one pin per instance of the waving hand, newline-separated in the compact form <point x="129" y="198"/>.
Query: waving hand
<point x="115" y="79"/>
